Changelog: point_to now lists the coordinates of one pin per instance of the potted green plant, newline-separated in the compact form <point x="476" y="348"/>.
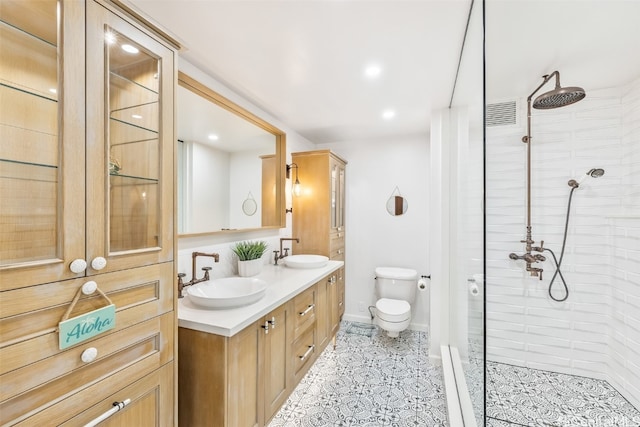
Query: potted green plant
<point x="250" y="257"/>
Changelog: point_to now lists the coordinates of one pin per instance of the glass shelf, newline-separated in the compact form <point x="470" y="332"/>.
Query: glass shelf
<point x="35" y="73"/>
<point x="121" y="179"/>
<point x="125" y="93"/>
<point x="18" y="162"/>
<point x="26" y="90"/>
<point x="29" y="33"/>
<point x="133" y="125"/>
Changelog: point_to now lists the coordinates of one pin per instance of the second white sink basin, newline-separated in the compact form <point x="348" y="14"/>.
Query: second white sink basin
<point x="306" y="261"/>
<point x="228" y="292"/>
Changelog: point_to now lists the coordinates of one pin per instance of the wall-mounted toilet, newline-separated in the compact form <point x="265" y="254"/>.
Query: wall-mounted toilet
<point x="396" y="291"/>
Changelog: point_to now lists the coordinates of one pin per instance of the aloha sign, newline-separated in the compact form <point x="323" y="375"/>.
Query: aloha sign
<point x="86" y="326"/>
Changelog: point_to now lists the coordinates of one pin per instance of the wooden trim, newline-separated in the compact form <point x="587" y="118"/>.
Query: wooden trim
<point x="132" y="12"/>
<point x="202" y="90"/>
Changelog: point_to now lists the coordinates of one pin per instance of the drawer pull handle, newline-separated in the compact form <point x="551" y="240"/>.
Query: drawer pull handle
<point x="308" y="352"/>
<point x="272" y="322"/>
<point x="266" y="327"/>
<point x="117" y="406"/>
<point x="340" y="251"/>
<point x="339" y="234"/>
<point x="304" y="313"/>
<point x="89" y="355"/>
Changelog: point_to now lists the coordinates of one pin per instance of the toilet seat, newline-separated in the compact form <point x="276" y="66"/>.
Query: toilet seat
<point x="393" y="310"/>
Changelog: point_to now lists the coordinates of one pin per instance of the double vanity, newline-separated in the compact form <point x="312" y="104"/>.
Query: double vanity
<point x="237" y="366"/>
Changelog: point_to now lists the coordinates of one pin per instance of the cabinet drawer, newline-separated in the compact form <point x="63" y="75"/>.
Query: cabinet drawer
<point x="336" y="240"/>
<point x="304" y="351"/>
<point x="144" y="347"/>
<point x="151" y="402"/>
<point x="304" y="311"/>
<point x="30" y="316"/>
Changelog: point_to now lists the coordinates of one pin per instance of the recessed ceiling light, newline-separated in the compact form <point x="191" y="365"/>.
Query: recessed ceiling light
<point x="130" y="49"/>
<point x="136" y="116"/>
<point x="213" y="137"/>
<point x="388" y="114"/>
<point x="372" y="71"/>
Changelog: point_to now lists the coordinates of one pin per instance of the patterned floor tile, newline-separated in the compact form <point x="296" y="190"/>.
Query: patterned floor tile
<point x="369" y="380"/>
<point x="532" y="397"/>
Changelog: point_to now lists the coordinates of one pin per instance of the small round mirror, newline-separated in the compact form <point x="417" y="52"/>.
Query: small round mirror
<point x="249" y="206"/>
<point x="397" y="205"/>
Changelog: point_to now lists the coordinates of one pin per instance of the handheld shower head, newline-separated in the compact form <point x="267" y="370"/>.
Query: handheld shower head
<point x="592" y="173"/>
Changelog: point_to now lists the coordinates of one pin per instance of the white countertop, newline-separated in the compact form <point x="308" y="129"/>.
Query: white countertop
<point x="283" y="284"/>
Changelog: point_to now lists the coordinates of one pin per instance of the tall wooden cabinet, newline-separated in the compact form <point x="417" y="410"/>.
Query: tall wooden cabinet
<point x="86" y="183"/>
<point x="319" y="212"/>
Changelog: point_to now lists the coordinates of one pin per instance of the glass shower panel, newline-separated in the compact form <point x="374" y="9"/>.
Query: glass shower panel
<point x="575" y="332"/>
<point x="467" y="226"/>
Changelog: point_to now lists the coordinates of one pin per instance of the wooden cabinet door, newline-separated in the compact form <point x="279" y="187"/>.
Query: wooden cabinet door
<point x="341" y="293"/>
<point x="277" y="371"/>
<point x="245" y="402"/>
<point x="332" y="296"/>
<point x="323" y="318"/>
<point x="130" y="143"/>
<point x="42" y="188"/>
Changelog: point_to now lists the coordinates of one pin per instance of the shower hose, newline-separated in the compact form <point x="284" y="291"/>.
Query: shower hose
<point x="557" y="261"/>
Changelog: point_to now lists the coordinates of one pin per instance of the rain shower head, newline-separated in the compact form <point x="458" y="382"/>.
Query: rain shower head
<point x="558" y="97"/>
<point x="592" y="173"/>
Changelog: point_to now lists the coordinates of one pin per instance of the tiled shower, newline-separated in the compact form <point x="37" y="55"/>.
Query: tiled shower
<point x="595" y="333"/>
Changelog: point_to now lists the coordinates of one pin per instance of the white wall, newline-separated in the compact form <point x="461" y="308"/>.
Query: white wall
<point x="596" y="332"/>
<point x="373" y="237"/>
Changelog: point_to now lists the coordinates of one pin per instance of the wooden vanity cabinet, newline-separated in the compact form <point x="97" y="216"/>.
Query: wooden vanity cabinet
<point x="86" y="183"/>
<point x="243" y="380"/>
<point x="237" y="381"/>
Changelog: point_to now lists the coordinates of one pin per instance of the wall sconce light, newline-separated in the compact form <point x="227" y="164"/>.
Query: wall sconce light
<point x="295" y="189"/>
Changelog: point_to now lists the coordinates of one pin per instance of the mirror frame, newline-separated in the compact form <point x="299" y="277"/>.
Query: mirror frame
<point x="202" y="90"/>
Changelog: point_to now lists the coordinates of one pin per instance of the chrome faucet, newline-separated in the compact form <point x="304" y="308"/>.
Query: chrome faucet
<point x="194" y="280"/>
<point x="283" y="252"/>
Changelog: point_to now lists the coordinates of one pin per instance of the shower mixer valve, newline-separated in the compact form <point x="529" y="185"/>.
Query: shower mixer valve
<point x="530" y="258"/>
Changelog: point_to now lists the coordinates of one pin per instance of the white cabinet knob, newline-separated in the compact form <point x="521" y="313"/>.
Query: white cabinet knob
<point x="98" y="263"/>
<point x="78" y="265"/>
<point x="89" y="287"/>
<point x="89" y="355"/>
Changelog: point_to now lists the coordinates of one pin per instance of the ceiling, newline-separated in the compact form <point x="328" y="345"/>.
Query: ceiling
<point x="305" y="61"/>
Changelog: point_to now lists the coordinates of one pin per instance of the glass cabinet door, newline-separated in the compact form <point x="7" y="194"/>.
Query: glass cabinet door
<point x="341" y="187"/>
<point x="333" y="213"/>
<point x="35" y="142"/>
<point x="130" y="146"/>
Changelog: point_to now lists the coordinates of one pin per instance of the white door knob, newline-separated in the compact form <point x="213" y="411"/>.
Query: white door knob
<point x="89" y="355"/>
<point x="98" y="263"/>
<point x="78" y="265"/>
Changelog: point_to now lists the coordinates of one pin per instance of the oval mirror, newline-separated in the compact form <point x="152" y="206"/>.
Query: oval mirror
<point x="397" y="205"/>
<point x="224" y="151"/>
<point x="249" y="206"/>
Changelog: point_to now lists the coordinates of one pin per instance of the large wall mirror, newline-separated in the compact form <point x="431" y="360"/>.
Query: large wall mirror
<point x="230" y="165"/>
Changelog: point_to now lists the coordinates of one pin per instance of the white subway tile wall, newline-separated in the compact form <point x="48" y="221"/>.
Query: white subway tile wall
<point x="596" y="332"/>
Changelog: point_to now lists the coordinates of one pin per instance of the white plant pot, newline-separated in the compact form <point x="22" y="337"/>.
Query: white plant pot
<point x="250" y="268"/>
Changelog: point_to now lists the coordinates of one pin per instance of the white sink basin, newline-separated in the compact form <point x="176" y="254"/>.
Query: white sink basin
<point x="229" y="292"/>
<point x="306" y="261"/>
